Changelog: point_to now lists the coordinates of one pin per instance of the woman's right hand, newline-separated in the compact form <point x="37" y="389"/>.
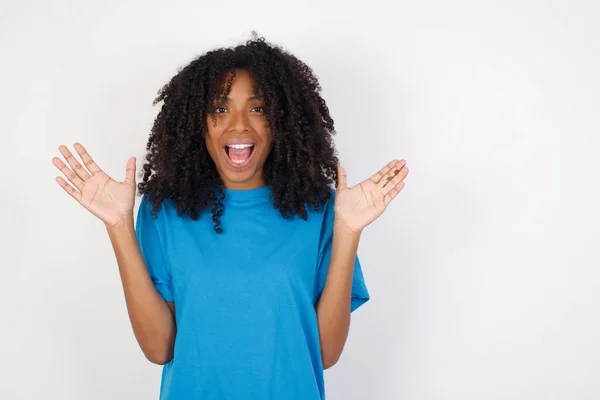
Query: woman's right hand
<point x="107" y="199"/>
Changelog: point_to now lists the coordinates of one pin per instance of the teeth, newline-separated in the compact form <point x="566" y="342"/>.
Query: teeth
<point x="238" y="161"/>
<point x="240" y="146"/>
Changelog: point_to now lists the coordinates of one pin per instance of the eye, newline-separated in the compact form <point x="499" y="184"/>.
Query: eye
<point x="258" y="109"/>
<point x="219" y="110"/>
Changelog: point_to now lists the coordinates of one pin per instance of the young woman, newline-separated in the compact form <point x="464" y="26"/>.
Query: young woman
<point x="242" y="270"/>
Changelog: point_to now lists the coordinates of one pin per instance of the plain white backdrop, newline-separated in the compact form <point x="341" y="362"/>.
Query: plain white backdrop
<point x="484" y="272"/>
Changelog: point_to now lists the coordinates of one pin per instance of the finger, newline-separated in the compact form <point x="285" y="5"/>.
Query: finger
<point x="87" y="159"/>
<point x="387" y="199"/>
<point x="69" y="189"/>
<point x="381" y="173"/>
<point x="392" y="183"/>
<point x="75" y="165"/>
<point x="342" y="178"/>
<point x="130" y="172"/>
<point x="71" y="176"/>
<point x="393" y="177"/>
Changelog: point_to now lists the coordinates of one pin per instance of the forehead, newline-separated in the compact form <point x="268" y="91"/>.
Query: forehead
<point x="237" y="82"/>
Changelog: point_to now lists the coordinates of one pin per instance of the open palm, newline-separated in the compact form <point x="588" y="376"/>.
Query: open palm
<point x="359" y="205"/>
<point x="107" y="199"/>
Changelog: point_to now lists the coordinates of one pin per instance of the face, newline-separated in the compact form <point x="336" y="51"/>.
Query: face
<point x="238" y="138"/>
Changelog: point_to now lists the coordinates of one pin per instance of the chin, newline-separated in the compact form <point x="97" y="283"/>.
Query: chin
<point x="246" y="179"/>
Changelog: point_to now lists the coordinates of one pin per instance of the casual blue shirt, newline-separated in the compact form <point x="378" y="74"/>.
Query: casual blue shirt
<point x="245" y="299"/>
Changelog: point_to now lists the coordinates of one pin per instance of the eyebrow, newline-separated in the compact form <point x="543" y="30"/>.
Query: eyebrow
<point x="249" y="98"/>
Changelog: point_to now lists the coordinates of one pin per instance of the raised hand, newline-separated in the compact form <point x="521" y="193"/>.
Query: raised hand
<point x="107" y="199"/>
<point x="358" y="206"/>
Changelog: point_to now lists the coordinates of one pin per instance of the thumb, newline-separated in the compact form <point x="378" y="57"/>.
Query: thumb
<point x="130" y="172"/>
<point x="342" y="178"/>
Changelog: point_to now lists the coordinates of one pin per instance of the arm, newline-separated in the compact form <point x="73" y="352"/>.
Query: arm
<point x="333" y="308"/>
<point x="355" y="208"/>
<point x="113" y="202"/>
<point x="151" y="317"/>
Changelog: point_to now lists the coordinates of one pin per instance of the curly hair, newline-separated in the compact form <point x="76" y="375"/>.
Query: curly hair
<point x="302" y="164"/>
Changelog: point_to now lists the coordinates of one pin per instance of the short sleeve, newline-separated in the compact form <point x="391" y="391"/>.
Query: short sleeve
<point x="148" y="236"/>
<point x="360" y="294"/>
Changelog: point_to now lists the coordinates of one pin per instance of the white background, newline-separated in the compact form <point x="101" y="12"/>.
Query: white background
<point x="484" y="272"/>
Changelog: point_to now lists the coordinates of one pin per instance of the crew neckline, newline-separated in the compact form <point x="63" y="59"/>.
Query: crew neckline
<point x="247" y="194"/>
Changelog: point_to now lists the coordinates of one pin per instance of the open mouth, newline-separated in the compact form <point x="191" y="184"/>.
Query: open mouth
<point x="239" y="155"/>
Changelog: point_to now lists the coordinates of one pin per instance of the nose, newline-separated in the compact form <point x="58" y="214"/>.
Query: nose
<point x="239" y="122"/>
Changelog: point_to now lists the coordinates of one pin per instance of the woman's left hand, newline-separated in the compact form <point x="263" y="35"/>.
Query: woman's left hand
<point x="359" y="205"/>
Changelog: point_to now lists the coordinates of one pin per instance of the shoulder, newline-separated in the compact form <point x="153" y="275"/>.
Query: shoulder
<point x="329" y="204"/>
<point x="324" y="211"/>
<point x="163" y="210"/>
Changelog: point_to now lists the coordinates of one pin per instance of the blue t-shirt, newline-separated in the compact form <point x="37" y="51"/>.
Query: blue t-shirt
<point x="244" y="299"/>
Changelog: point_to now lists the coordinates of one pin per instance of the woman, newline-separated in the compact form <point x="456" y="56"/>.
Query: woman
<point x="242" y="270"/>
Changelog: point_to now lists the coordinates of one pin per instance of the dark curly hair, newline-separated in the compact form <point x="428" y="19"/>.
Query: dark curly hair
<point x="302" y="164"/>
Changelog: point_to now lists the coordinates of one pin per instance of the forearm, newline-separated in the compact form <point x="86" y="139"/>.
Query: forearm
<point x="333" y="308"/>
<point x="151" y="319"/>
